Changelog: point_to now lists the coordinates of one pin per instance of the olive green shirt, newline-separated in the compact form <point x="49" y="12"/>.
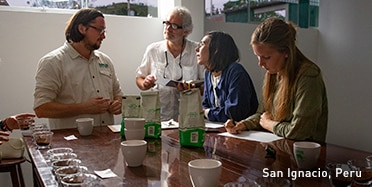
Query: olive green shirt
<point x="309" y="117"/>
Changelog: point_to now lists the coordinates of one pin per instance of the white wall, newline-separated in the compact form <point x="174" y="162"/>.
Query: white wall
<point x="345" y="39"/>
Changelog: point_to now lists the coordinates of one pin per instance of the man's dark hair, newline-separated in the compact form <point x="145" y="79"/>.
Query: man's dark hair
<point x="83" y="16"/>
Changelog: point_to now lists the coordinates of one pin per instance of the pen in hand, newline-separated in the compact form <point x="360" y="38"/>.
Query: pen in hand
<point x="231" y="117"/>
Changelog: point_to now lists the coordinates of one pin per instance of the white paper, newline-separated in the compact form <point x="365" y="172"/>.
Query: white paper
<point x="258" y="136"/>
<point x="115" y="128"/>
<point x="170" y="124"/>
<point x="213" y="125"/>
<point x="105" y="173"/>
<point x="71" y="137"/>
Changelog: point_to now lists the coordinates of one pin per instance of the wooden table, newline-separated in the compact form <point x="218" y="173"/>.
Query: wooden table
<point x="166" y="162"/>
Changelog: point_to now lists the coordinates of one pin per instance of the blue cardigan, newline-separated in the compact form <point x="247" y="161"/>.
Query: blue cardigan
<point x="236" y="95"/>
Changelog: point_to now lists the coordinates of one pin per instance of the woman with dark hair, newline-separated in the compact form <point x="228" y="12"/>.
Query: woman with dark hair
<point x="294" y="102"/>
<point x="228" y="89"/>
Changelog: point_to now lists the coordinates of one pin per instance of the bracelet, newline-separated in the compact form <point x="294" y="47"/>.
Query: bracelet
<point x="3" y="126"/>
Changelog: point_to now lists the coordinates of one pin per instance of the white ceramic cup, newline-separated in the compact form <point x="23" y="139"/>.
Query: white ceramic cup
<point x="134" y="123"/>
<point x="306" y="154"/>
<point x="134" y="134"/>
<point x="134" y="152"/>
<point x="85" y="126"/>
<point x="205" y="172"/>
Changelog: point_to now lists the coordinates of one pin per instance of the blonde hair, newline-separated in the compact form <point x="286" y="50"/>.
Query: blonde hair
<point x="281" y="36"/>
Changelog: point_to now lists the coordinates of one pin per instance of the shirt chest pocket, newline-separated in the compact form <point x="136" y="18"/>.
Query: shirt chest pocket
<point x="105" y="77"/>
<point x="105" y="73"/>
<point x="190" y="73"/>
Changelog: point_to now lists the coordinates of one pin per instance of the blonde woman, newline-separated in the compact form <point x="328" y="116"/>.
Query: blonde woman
<point x="294" y="102"/>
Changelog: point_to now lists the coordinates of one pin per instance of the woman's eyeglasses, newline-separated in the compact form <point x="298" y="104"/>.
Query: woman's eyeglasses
<point x="172" y="25"/>
<point x="167" y="64"/>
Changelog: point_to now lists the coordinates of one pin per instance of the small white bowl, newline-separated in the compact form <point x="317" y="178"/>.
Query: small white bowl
<point x="134" y="152"/>
<point x="134" y="123"/>
<point x="134" y="134"/>
<point x="205" y="172"/>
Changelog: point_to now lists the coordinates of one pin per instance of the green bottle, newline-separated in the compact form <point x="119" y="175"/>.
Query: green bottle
<point x="122" y="129"/>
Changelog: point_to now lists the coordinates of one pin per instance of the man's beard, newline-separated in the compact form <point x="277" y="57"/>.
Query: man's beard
<point x="92" y="47"/>
<point x="95" y="46"/>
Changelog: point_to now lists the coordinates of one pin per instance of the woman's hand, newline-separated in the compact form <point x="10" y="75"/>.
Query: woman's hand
<point x="234" y="129"/>
<point x="3" y="136"/>
<point x="266" y="122"/>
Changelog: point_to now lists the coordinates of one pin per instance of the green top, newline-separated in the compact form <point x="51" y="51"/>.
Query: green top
<point x="309" y="117"/>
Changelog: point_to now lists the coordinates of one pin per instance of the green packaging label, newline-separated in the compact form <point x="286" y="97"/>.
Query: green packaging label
<point x="131" y="107"/>
<point x="192" y="137"/>
<point x="153" y="130"/>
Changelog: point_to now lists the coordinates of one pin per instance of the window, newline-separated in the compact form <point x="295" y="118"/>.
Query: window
<point x="143" y="8"/>
<point x="304" y="13"/>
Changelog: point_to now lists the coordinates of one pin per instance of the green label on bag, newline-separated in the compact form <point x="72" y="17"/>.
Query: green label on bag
<point x="153" y="130"/>
<point x="192" y="137"/>
<point x="122" y="127"/>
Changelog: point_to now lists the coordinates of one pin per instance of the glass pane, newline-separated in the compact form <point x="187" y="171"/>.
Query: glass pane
<point x="247" y="11"/>
<point x="143" y="8"/>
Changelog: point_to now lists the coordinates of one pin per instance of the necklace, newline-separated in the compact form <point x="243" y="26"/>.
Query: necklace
<point x="179" y="63"/>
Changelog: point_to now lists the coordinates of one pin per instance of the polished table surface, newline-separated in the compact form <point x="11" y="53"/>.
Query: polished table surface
<point x="166" y="161"/>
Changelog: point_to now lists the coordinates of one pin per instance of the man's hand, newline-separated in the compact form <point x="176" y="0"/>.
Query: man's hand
<point x="115" y="107"/>
<point x="12" y="122"/>
<point x="97" y="105"/>
<point x="148" y="82"/>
